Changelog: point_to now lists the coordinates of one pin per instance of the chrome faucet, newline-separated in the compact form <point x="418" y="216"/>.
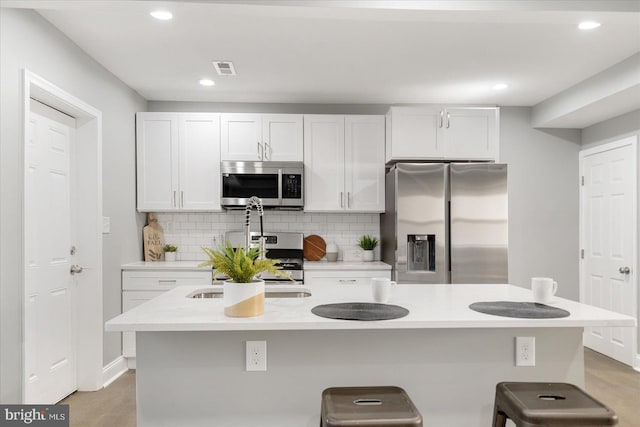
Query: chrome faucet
<point x="257" y="202"/>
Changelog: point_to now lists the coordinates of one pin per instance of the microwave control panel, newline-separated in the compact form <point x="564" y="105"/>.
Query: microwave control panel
<point x="291" y="186"/>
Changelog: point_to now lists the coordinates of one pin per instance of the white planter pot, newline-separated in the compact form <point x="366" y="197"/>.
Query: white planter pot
<point x="170" y="256"/>
<point x="367" y="256"/>
<point x="243" y="299"/>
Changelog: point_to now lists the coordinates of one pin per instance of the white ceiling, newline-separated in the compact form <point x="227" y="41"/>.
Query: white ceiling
<point x="360" y="52"/>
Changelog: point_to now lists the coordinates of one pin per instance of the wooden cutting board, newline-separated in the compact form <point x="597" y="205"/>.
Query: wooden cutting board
<point x="153" y="238"/>
<point x="314" y="247"/>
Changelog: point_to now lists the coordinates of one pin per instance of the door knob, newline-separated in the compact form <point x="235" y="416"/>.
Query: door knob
<point x="624" y="270"/>
<point x="75" y="269"/>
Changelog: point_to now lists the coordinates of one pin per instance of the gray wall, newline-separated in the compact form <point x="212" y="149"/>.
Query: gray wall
<point x="611" y="130"/>
<point x="543" y="201"/>
<point x="28" y="41"/>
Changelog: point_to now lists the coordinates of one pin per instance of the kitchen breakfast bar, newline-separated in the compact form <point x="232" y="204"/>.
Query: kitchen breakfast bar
<point x="191" y="357"/>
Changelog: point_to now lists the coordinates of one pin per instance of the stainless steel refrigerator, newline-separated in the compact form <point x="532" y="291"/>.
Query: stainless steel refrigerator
<point x="446" y="223"/>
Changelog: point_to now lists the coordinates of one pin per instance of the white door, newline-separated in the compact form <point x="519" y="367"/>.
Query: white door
<point x="324" y="163"/>
<point x="199" y="162"/>
<point x="364" y="163"/>
<point x="470" y="133"/>
<point x="282" y="137"/>
<point x="609" y="229"/>
<point x="157" y="160"/>
<point x="50" y="348"/>
<point x="241" y="137"/>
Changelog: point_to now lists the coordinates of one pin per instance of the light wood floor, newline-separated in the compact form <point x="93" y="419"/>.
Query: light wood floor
<point x="611" y="382"/>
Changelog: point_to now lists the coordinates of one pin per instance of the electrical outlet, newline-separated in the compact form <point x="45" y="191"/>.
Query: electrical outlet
<point x="256" y="356"/>
<point x="525" y="351"/>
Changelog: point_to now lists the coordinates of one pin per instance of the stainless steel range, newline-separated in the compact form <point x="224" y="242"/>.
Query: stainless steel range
<point x="285" y="246"/>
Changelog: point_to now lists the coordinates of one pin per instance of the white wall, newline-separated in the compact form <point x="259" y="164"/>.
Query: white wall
<point x="611" y="130"/>
<point x="28" y="41"/>
<point x="543" y="200"/>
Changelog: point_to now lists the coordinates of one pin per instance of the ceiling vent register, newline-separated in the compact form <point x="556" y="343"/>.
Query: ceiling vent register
<point x="224" y="68"/>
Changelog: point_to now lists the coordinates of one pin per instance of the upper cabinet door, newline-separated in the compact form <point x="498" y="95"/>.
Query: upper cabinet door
<point x="199" y="162"/>
<point x="414" y="133"/>
<point x="282" y="137"/>
<point x="157" y="154"/>
<point x="471" y="133"/>
<point x="364" y="163"/>
<point x="241" y="137"/>
<point x="324" y="163"/>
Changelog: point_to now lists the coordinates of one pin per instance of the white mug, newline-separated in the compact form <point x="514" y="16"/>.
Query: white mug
<point x="544" y="288"/>
<point x="381" y="287"/>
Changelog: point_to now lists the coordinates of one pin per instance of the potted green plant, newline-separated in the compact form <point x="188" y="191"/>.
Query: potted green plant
<point x="170" y="252"/>
<point x="368" y="244"/>
<point x="243" y="292"/>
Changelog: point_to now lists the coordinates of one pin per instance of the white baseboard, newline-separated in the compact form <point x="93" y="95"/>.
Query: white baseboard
<point x="113" y="370"/>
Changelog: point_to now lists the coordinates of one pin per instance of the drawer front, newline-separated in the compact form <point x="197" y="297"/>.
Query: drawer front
<point x="334" y="281"/>
<point x="347" y="277"/>
<point x="165" y="280"/>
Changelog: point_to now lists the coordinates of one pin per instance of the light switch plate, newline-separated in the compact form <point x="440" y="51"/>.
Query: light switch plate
<point x="106" y="225"/>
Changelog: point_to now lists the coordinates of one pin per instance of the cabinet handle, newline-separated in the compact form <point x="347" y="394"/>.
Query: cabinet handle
<point x="174" y="198"/>
<point x="448" y="120"/>
<point x="182" y="199"/>
<point x="259" y="151"/>
<point x="341" y="200"/>
<point x="441" y="119"/>
<point x="347" y="280"/>
<point x="166" y="282"/>
<point x="267" y="151"/>
<point x="348" y="199"/>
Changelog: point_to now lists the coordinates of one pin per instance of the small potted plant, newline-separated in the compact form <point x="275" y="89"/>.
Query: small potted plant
<point x="170" y="252"/>
<point x="243" y="292"/>
<point x="368" y="244"/>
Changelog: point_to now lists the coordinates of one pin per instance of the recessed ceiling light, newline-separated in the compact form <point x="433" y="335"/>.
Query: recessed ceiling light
<point x="588" y="25"/>
<point x="500" y="86"/>
<point x="207" y="82"/>
<point x="163" y="15"/>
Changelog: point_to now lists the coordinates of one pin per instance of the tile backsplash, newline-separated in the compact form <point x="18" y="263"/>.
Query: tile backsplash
<point x="191" y="231"/>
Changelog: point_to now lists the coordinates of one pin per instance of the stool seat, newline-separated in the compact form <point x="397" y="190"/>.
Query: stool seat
<point x="548" y="405"/>
<point x="368" y="407"/>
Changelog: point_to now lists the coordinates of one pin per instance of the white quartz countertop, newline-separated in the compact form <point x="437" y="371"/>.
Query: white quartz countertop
<point x="308" y="265"/>
<point x="345" y="265"/>
<point x="430" y="306"/>
<point x="164" y="265"/>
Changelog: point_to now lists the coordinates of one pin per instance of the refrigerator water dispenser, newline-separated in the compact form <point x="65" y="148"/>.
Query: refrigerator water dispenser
<point x="421" y="252"/>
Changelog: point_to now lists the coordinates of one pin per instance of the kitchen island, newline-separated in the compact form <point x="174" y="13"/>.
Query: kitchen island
<point x="191" y="358"/>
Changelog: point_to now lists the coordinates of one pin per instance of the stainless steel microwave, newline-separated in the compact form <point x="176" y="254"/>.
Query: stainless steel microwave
<point x="278" y="184"/>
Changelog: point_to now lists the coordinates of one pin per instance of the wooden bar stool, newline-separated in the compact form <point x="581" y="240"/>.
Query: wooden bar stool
<point x="548" y="405"/>
<point x="368" y="407"/>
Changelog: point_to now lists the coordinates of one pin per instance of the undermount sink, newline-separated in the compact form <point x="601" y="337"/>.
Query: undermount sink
<point x="269" y="293"/>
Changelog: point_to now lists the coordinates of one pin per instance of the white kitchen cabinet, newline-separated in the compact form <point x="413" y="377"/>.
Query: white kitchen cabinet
<point x="344" y="163"/>
<point x="470" y="133"/>
<point x="344" y="277"/>
<point x="261" y="137"/>
<point x="178" y="162"/>
<point x="139" y="286"/>
<point x="436" y="132"/>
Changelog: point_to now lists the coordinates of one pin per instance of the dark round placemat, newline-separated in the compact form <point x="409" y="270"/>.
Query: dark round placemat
<point x="360" y="311"/>
<point x="525" y="310"/>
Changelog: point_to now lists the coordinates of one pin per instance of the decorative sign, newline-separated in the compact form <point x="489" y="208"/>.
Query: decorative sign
<point x="153" y="238"/>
